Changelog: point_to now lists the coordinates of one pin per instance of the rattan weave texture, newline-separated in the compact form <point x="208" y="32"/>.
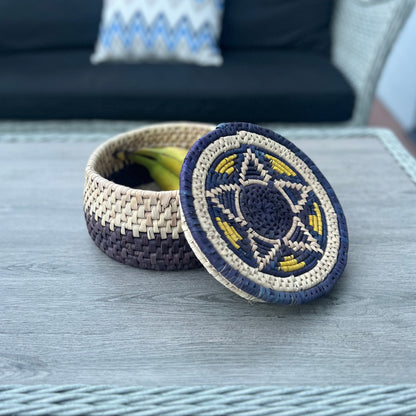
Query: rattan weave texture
<point x="83" y="400"/>
<point x="363" y="33"/>
<point x="138" y="227"/>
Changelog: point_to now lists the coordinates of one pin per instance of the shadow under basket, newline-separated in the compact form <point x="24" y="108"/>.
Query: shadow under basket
<point x="138" y="227"/>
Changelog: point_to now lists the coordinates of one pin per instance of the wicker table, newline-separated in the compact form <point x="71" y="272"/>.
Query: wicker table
<point x="69" y="314"/>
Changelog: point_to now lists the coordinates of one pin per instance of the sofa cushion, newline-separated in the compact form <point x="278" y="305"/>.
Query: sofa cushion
<point x="251" y="86"/>
<point x="160" y="31"/>
<point x="48" y="24"/>
<point x="283" y="24"/>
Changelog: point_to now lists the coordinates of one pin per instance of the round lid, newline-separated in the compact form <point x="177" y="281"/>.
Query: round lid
<point x="261" y="217"/>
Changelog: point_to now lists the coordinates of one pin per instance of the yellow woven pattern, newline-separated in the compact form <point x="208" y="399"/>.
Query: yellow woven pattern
<point x="230" y="232"/>
<point x="280" y="167"/>
<point x="290" y="264"/>
<point x="315" y="221"/>
<point x="226" y="165"/>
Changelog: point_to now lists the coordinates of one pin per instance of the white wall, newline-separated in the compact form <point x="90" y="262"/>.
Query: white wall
<point x="397" y="86"/>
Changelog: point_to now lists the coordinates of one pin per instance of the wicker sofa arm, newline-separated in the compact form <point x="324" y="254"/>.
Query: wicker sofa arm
<point x="363" y="33"/>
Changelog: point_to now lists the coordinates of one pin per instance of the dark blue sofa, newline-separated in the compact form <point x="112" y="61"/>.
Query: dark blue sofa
<point x="277" y="68"/>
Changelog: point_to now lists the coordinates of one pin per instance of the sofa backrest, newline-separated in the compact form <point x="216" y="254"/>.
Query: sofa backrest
<point x="48" y="24"/>
<point x="277" y="24"/>
<point x="248" y="24"/>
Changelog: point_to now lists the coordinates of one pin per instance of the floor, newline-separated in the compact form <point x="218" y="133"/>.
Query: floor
<point x="381" y="117"/>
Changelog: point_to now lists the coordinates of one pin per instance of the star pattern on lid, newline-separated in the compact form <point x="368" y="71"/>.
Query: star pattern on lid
<point x="264" y="208"/>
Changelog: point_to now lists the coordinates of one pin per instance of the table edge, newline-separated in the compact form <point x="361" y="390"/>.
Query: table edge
<point x="203" y="400"/>
<point x="100" y="130"/>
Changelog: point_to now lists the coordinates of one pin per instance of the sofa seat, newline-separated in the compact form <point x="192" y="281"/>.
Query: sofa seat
<point x="255" y="86"/>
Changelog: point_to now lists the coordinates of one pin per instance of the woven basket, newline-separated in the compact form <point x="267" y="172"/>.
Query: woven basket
<point x="138" y="227"/>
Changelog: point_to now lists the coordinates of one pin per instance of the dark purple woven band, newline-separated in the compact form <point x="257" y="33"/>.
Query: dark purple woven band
<point x="155" y="254"/>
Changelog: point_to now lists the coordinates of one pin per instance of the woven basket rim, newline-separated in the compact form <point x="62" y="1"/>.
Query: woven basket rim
<point x="91" y="172"/>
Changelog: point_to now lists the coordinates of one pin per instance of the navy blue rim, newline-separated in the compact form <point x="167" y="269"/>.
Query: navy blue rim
<point x="225" y="269"/>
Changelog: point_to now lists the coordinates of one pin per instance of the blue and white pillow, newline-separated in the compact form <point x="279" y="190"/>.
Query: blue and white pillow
<point x="160" y="30"/>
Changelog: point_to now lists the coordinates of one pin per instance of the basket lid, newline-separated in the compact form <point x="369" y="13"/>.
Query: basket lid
<point x="261" y="217"/>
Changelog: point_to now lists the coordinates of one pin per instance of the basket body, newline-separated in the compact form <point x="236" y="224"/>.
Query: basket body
<point x="141" y="228"/>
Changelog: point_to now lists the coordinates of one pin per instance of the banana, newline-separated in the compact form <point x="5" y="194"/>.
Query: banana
<point x="169" y="157"/>
<point x="163" y="163"/>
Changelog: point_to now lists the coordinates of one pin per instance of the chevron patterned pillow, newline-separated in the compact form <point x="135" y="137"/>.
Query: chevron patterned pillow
<point x="160" y="30"/>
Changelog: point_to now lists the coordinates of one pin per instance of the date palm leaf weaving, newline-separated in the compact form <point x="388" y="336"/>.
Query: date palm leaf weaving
<point x="261" y="217"/>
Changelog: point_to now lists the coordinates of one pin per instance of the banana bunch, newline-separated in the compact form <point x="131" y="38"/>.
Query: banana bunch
<point x="163" y="163"/>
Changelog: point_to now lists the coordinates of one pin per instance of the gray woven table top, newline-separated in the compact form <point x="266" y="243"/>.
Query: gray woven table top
<point x="71" y="315"/>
